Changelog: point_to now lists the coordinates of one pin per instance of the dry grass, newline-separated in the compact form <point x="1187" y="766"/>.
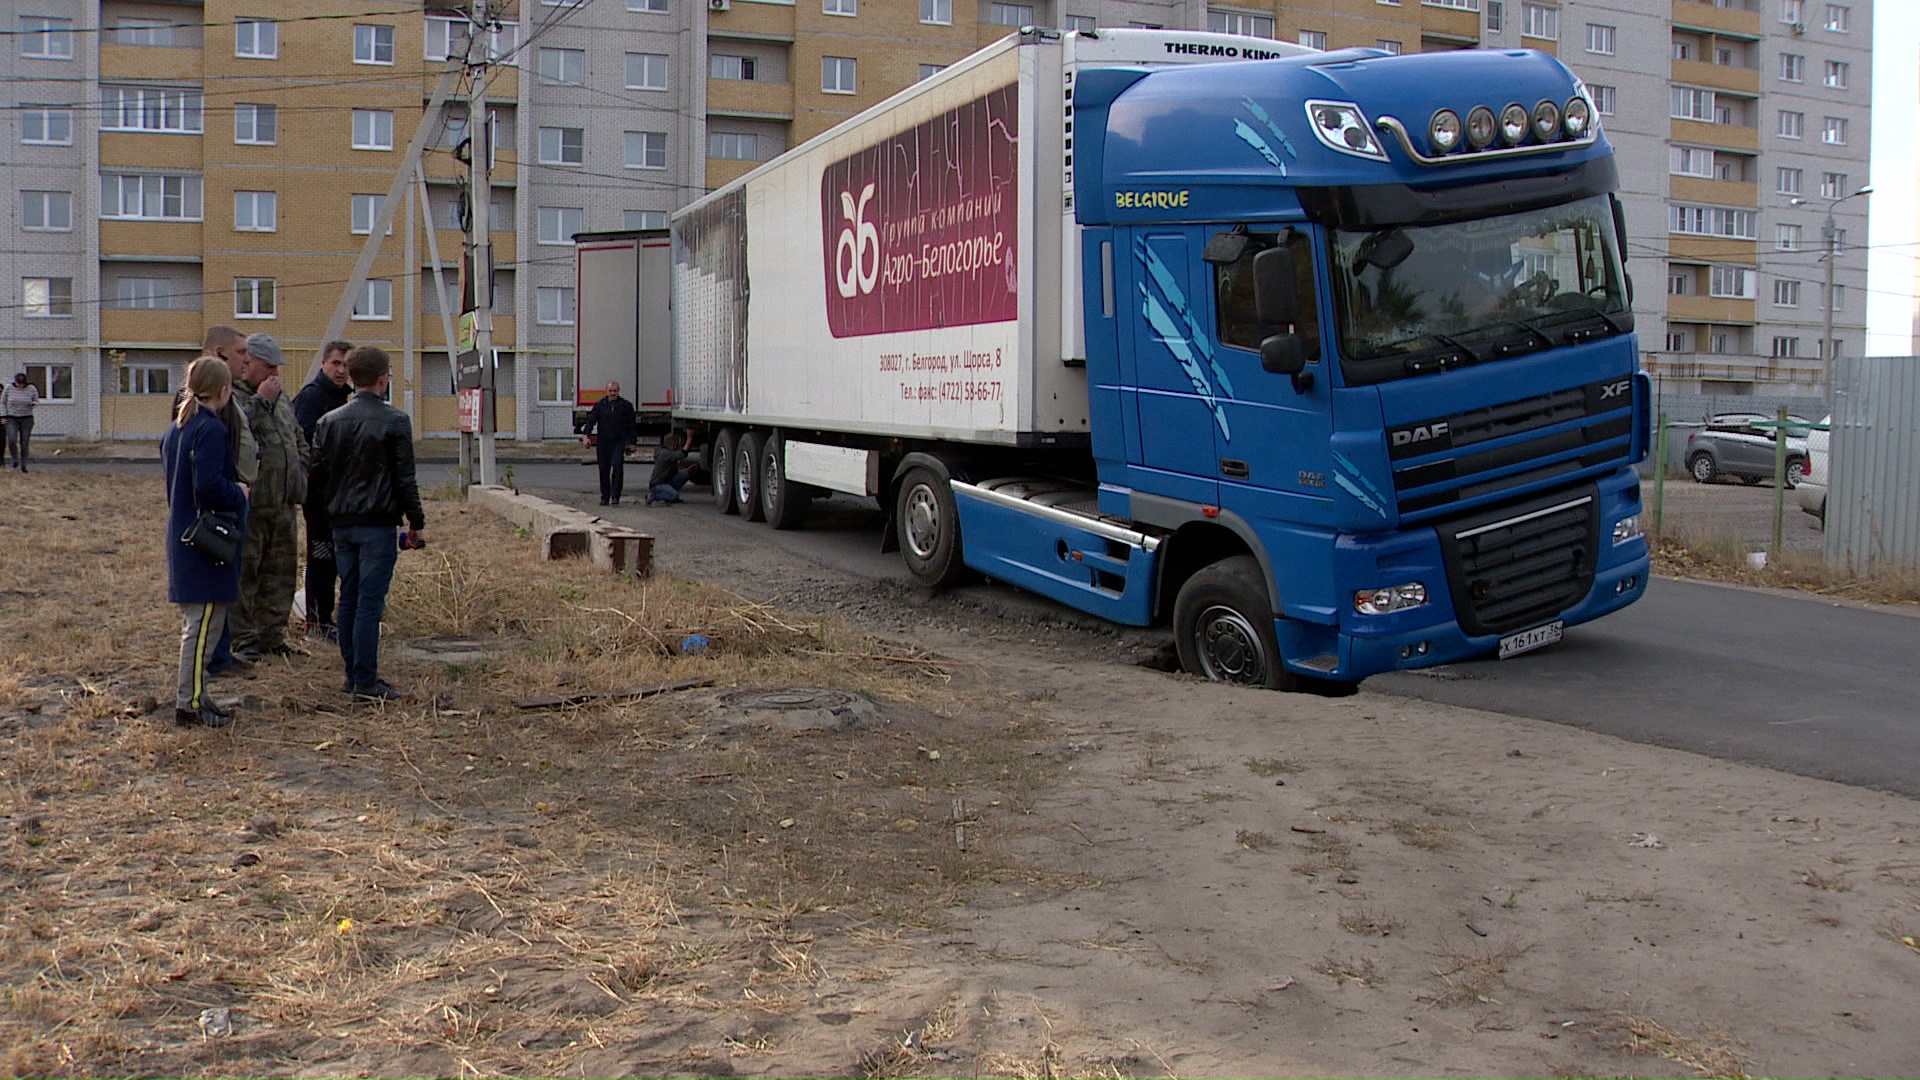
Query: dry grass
<point x="1424" y="835"/>
<point x="1474" y="975"/>
<point x="453" y="885"/>
<point x="1720" y="555"/>
<point x="1368" y="923"/>
<point x="1358" y="970"/>
<point x="1270" y="767"/>
<point x="1714" y="1056"/>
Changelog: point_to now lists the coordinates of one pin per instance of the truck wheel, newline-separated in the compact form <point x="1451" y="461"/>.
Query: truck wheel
<point x="784" y="501"/>
<point x="746" y="476"/>
<point x="1223" y="626"/>
<point x="726" y="447"/>
<point x="1702" y="467"/>
<point x="929" y="528"/>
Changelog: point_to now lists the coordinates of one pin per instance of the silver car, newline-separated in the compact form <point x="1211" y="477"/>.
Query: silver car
<point x="1742" y="446"/>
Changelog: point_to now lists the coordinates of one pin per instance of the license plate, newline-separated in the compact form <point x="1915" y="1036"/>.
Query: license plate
<point x="1528" y="640"/>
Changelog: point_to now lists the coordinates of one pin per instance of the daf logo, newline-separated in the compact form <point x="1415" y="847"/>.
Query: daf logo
<point x="1613" y="390"/>
<point x="1420" y="433"/>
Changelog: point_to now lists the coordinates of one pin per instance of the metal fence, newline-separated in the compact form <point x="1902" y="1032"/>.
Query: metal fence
<point x="1873" y="501"/>
<point x="1687" y="412"/>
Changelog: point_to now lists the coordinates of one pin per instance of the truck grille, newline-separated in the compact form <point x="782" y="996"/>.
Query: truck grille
<point x="1522" y="565"/>
<point x="1603" y="412"/>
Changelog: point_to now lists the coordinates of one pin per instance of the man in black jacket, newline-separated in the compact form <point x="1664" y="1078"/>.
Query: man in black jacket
<point x="363" y="472"/>
<point x="613" y="423"/>
<point x="327" y="390"/>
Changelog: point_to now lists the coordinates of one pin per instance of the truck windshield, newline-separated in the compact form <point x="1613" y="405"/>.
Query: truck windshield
<point x="1474" y="290"/>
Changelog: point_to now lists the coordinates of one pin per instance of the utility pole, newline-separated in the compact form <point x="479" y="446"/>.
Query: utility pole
<point x="480" y="242"/>
<point x="1830" y="233"/>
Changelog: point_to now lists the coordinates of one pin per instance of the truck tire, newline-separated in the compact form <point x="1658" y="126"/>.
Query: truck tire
<point x="746" y="476"/>
<point x="1702" y="467"/>
<point x="726" y="450"/>
<point x="784" y="501"/>
<point x="1223" y="627"/>
<point x="928" y="525"/>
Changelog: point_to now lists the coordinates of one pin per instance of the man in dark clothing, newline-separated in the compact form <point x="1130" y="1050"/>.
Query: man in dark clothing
<point x="613" y="423"/>
<point x="363" y="472"/>
<point x="670" y="472"/>
<point x="327" y="390"/>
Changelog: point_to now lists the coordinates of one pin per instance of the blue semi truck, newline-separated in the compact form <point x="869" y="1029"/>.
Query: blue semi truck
<point x="1326" y="359"/>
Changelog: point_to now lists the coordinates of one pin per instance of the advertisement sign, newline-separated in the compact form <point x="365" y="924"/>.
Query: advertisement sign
<point x="470" y="411"/>
<point x="919" y="230"/>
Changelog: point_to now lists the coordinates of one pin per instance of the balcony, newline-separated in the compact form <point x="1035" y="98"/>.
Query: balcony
<point x="723" y="171"/>
<point x="1718" y="192"/>
<point x="1719" y="310"/>
<point x="753" y="22"/>
<point x="753" y="100"/>
<point x="150" y="328"/>
<point x="1713" y="249"/>
<point x="163" y="239"/>
<point x="1736" y="19"/>
<point x="1450" y="23"/>
<point x="1720" y="136"/>
<point x="137" y="150"/>
<point x="1734" y="367"/>
<point x="160" y="63"/>
<point x="1738" y="80"/>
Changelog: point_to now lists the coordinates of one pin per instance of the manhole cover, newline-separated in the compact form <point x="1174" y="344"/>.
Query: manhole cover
<point x="790" y="708"/>
<point x="788" y="698"/>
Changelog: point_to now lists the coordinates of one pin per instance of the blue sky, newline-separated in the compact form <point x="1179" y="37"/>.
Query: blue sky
<point x="1896" y="179"/>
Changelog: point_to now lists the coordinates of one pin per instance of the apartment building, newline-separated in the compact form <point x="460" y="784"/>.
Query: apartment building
<point x="178" y="164"/>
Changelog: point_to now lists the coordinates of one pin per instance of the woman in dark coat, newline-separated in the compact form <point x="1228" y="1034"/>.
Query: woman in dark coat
<point x="200" y="476"/>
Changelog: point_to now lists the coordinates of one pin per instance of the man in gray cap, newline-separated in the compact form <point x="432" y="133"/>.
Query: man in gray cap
<point x="270" y="562"/>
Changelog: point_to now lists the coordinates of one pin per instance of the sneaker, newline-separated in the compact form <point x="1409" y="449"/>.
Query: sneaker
<point x="346" y="686"/>
<point x="378" y="690"/>
<point x="206" y="715"/>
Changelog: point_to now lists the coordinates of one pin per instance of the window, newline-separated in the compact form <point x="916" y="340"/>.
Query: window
<point x="375" y="301"/>
<point x="563" y="146"/>
<point x="1787" y="181"/>
<point x="1837" y="343"/>
<point x="142" y="294"/>
<point x="1010" y="14"/>
<point x="650" y="7"/>
<point x="1239" y="22"/>
<point x="44" y="38"/>
<point x="1600" y="39"/>
<point x="1784" y="347"/>
<point x="1731" y="282"/>
<point x="1786" y="294"/>
<point x="1462" y="5"/>
<point x="928" y="71"/>
<point x="643" y="219"/>
<point x="840" y="7"/>
<point x="258" y="125"/>
<point x="143" y="32"/>
<point x="150" y="197"/>
<point x="145" y="379"/>
<point x="446" y="37"/>
<point x="733" y="146"/>
<point x="1712" y="221"/>
<point x="1839" y="18"/>
<point x="255" y="211"/>
<point x="565" y="67"/>
<point x="1837" y="75"/>
<point x="1832" y="184"/>
<point x="1385" y="46"/>
<point x="1692" y="103"/>
<point x="1677" y="341"/>
<point x="1238" y="324"/>
<point x="646" y="71"/>
<point x="46" y="127"/>
<point x="938" y="12"/>
<point x="1602" y="99"/>
<point x="1786" y="238"/>
<point x="1723" y="57"/>
<point x="1081" y="24"/>
<point x="135" y="108"/>
<point x="1680" y="283"/>
<point x="1790" y="11"/>
<point x="372" y="44"/>
<point x="1722" y="341"/>
<point x="1683" y="50"/>
<point x="372" y="129"/>
<point x="1690" y="161"/>
<point x="1839" y="297"/>
<point x="1793" y="67"/>
<point x="646" y="150"/>
<point x="46" y="211"/>
<point x="257" y="39"/>
<point x="53" y="381"/>
<point x="837" y="75"/>
<point x="365" y="210"/>
<point x="253" y="298"/>
<point x="46" y="297"/>
<point x="1833" y="131"/>
<point x="1314" y="39"/>
<point x="556" y="385"/>
<point x="503" y="43"/>
<point x="1792" y="125"/>
<point x="1496" y="16"/>
<point x="1540" y="21"/>
<point x="553" y="306"/>
<point x="559" y="223"/>
<point x="740" y="68"/>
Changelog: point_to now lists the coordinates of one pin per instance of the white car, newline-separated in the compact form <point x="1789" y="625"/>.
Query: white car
<point x="1812" y="491"/>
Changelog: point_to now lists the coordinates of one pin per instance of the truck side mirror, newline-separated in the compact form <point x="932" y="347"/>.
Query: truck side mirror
<point x="1276" y="299"/>
<point x="1286" y="354"/>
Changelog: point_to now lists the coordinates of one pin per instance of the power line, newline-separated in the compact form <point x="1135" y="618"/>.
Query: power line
<point x="54" y="30"/>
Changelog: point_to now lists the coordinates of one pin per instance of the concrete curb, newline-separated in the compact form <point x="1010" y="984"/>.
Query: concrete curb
<point x="565" y="532"/>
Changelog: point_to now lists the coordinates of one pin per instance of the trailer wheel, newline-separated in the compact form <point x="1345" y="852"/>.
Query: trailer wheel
<point x="929" y="528"/>
<point x="784" y="501"/>
<point x="746" y="476"/>
<point x="726" y="447"/>
<point x="1223" y="626"/>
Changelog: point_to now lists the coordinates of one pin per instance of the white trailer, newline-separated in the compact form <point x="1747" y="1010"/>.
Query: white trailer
<point x="621" y="330"/>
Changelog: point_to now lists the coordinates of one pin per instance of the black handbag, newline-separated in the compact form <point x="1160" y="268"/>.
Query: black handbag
<point x="213" y="535"/>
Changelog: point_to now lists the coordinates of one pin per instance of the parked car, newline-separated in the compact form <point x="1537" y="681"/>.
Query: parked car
<point x="1812" y="492"/>
<point x="1742" y="445"/>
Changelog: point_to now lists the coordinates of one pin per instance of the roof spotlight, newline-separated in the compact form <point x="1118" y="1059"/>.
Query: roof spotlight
<point x="1443" y="131"/>
<point x="1513" y="124"/>
<point x="1546" y="121"/>
<point x="1480" y="127"/>
<point x="1578" y="115"/>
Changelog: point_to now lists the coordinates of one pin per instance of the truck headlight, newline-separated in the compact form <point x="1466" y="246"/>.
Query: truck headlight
<point x="1627" y="529"/>
<point x="1390" y="599"/>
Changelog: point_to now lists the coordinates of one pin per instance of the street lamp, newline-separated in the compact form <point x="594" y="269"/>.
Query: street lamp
<point x="1831" y="234"/>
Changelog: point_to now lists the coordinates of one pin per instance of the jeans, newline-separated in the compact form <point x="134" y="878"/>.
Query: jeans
<point x="19" y="439"/>
<point x="365" y="555"/>
<point x="200" y="624"/>
<point x="668" y="490"/>
<point x="612" y="459"/>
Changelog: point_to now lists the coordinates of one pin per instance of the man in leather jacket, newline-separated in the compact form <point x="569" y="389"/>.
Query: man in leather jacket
<point x="611" y="425"/>
<point x="363" y="469"/>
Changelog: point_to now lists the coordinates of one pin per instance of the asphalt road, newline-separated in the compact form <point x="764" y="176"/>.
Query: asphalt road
<point x="1783" y="681"/>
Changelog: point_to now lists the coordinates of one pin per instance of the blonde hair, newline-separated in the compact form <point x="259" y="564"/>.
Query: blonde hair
<point x="207" y="378"/>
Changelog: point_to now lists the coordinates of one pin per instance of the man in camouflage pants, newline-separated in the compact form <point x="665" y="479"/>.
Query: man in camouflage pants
<point x="270" y="563"/>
